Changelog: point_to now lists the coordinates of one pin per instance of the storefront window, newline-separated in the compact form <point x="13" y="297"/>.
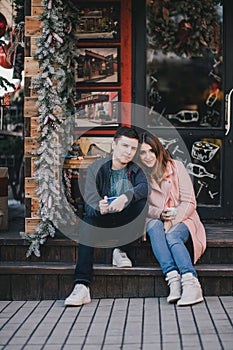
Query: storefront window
<point x="185" y="63"/>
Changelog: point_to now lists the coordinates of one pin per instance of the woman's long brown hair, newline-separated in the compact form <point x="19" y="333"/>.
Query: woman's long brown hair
<point x="162" y="155"/>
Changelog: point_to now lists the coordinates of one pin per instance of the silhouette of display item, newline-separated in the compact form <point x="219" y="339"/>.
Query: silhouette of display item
<point x="204" y="151"/>
<point x="185" y="116"/>
<point x="95" y="150"/>
<point x="199" y="171"/>
<point x="76" y="150"/>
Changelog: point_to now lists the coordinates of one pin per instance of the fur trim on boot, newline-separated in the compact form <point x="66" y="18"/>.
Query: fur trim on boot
<point x="191" y="290"/>
<point x="174" y="282"/>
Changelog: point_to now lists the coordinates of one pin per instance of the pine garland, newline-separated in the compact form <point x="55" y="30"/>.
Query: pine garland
<point x="183" y="27"/>
<point x="55" y="88"/>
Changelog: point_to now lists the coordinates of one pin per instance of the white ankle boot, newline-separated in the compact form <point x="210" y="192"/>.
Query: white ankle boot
<point x="174" y="282"/>
<point x="191" y="290"/>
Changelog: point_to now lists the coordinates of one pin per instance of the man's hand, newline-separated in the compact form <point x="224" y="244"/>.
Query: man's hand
<point x="103" y="205"/>
<point x="118" y="204"/>
<point x="114" y="207"/>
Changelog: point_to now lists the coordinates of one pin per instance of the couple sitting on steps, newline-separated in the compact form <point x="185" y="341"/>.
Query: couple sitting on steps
<point x="154" y="195"/>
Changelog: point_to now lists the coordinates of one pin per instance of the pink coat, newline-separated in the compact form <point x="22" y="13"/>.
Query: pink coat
<point x="177" y="191"/>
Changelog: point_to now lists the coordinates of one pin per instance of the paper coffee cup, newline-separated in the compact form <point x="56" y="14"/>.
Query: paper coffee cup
<point x="171" y="211"/>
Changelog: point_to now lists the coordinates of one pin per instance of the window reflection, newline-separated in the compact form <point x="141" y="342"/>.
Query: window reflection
<point x="185" y="63"/>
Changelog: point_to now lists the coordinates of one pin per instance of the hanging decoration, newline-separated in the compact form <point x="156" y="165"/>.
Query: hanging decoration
<point x="6" y="58"/>
<point x="3" y="25"/>
<point x="185" y="28"/>
<point x="17" y="39"/>
<point x="55" y="88"/>
<point x="16" y="42"/>
<point x="8" y="51"/>
<point x="4" y="83"/>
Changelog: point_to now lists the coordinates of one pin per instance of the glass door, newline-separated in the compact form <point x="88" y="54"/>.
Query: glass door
<point x="188" y="83"/>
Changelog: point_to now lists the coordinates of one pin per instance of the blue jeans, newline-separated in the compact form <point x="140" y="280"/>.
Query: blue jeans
<point x="169" y="248"/>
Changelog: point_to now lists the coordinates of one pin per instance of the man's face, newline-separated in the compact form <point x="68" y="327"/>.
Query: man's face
<point x="124" y="149"/>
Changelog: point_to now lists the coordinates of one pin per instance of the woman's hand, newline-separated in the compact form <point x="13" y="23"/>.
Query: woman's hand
<point x="168" y="215"/>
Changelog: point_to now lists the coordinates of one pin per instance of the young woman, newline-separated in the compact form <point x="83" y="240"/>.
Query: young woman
<point x="172" y="219"/>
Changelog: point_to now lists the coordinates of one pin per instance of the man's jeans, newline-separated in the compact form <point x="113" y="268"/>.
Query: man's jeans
<point x="84" y="267"/>
<point x="169" y="248"/>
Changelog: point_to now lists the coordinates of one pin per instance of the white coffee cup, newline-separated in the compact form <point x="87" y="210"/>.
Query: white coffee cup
<point x="172" y="211"/>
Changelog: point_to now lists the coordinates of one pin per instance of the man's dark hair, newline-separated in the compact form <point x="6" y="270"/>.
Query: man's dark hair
<point x="127" y="132"/>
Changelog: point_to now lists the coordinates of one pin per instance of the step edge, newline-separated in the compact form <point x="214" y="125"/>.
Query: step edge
<point x="224" y="243"/>
<point x="102" y="269"/>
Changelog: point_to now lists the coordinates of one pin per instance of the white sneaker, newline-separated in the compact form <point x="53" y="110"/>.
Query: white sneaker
<point x="120" y="259"/>
<point x="79" y="296"/>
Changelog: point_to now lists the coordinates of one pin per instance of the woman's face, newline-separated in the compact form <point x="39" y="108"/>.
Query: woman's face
<point x="147" y="156"/>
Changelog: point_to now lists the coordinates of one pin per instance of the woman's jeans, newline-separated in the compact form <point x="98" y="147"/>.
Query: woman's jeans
<point x="169" y="247"/>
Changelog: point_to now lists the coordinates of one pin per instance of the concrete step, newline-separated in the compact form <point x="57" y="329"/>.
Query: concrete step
<point x="36" y="281"/>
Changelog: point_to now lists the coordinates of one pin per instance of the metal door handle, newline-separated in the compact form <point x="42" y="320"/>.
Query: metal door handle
<point x="228" y="111"/>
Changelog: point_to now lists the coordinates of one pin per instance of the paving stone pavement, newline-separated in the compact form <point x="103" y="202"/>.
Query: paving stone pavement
<point x="111" y="324"/>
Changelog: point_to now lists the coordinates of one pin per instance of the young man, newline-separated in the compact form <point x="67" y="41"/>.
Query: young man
<point x="108" y="221"/>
